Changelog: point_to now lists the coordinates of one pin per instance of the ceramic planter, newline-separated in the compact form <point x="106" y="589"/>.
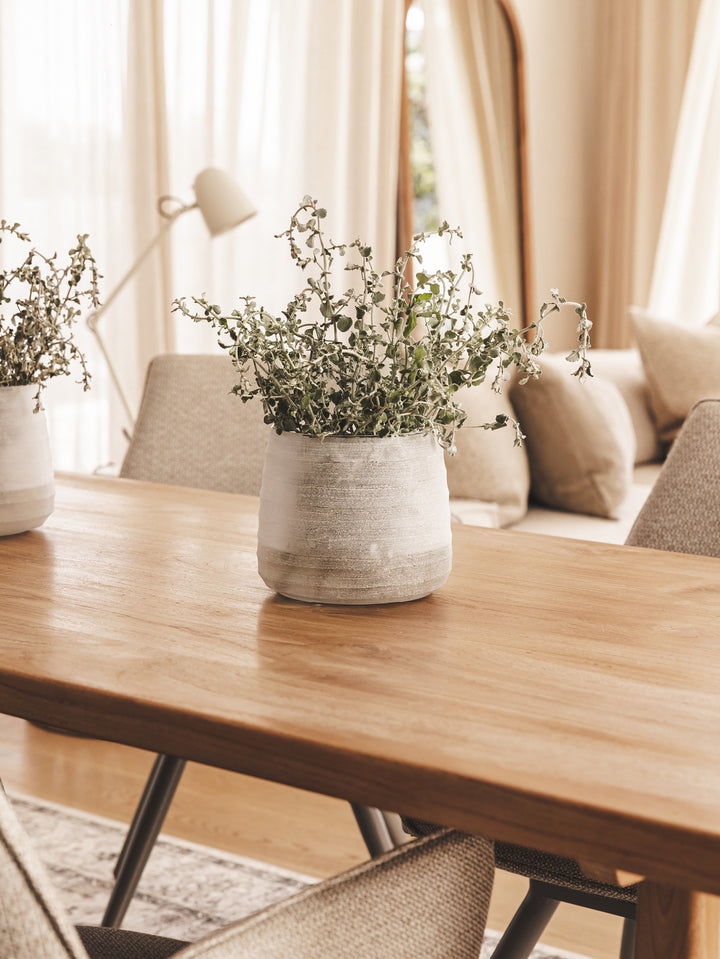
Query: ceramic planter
<point x="354" y="520"/>
<point x="27" y="490"/>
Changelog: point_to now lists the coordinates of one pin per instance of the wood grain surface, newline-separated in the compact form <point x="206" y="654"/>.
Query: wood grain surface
<point x="557" y="693"/>
<point x="676" y="922"/>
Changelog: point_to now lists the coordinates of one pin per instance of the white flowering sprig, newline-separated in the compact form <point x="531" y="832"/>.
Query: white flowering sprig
<point x="40" y="300"/>
<point x="381" y="357"/>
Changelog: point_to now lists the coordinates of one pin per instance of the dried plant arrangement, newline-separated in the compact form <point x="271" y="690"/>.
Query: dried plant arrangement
<point x="381" y="357"/>
<point x="40" y="301"/>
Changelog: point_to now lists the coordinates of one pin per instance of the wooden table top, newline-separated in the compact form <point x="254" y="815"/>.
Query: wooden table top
<point x="557" y="693"/>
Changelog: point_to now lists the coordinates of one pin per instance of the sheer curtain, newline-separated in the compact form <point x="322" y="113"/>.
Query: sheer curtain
<point x="290" y="97"/>
<point x="686" y="276"/>
<point x="62" y="171"/>
<point x="130" y="99"/>
<point x="645" y="48"/>
<point x="471" y="113"/>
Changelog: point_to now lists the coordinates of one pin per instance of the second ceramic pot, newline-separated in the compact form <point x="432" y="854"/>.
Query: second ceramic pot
<point x="27" y="490"/>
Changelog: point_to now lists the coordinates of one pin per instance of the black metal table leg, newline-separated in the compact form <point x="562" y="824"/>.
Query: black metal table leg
<point x="526" y="927"/>
<point x="146" y="824"/>
<point x="373" y="828"/>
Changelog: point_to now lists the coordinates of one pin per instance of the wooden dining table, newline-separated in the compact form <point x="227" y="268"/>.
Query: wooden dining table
<point x="556" y="693"/>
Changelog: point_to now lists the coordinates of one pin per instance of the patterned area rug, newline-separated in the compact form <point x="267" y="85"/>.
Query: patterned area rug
<point x="187" y="890"/>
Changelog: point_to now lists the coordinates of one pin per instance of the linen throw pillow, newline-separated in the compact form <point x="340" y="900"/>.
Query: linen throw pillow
<point x="624" y="368"/>
<point x="682" y="366"/>
<point x="487" y="466"/>
<point x="579" y="437"/>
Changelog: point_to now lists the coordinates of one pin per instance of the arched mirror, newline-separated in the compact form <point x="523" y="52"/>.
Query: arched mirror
<point x="467" y="143"/>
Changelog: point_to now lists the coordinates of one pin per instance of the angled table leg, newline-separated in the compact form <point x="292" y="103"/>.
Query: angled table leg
<point x="675" y="923"/>
<point x="144" y="829"/>
<point x="374" y="829"/>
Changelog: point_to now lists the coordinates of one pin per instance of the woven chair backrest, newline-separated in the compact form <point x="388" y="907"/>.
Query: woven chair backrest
<point x="682" y="512"/>
<point x="192" y="430"/>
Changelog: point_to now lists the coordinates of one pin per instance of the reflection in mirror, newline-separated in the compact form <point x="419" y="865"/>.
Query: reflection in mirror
<point x="465" y="86"/>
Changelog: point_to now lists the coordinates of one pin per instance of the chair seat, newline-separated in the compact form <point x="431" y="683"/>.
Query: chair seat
<point x="545" y="867"/>
<point x="102" y="942"/>
<point x="538" y="865"/>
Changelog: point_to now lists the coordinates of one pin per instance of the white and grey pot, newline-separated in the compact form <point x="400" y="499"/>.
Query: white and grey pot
<point x="354" y="520"/>
<point x="27" y="489"/>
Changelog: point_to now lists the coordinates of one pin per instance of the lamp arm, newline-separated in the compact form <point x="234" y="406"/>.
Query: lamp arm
<point x="94" y="317"/>
<point x="111" y="369"/>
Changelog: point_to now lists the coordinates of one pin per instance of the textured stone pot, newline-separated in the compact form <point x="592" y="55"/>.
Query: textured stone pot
<point x="354" y="520"/>
<point x="27" y="489"/>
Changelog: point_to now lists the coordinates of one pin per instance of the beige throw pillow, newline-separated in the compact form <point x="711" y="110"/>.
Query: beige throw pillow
<point x="579" y="437"/>
<point x="682" y="366"/>
<point x="624" y="368"/>
<point x="487" y="466"/>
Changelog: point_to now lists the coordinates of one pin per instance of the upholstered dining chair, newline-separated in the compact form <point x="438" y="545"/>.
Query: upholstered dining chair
<point x="427" y="900"/>
<point x="192" y="431"/>
<point x="681" y="514"/>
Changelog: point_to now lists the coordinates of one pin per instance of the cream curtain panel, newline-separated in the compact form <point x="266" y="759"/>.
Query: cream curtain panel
<point x="471" y="114"/>
<point x="128" y="100"/>
<point x="311" y="106"/>
<point x="686" y="277"/>
<point x="63" y="170"/>
<point x="644" y="52"/>
<point x="147" y="127"/>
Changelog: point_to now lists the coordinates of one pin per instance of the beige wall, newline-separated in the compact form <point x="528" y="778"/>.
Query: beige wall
<point x="604" y="82"/>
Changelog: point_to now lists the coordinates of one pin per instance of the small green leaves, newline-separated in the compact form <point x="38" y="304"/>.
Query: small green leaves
<point x="365" y="363"/>
<point x="410" y="324"/>
<point x="36" y="336"/>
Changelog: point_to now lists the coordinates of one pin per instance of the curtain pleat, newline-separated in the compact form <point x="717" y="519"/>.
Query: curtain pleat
<point x="686" y="276"/>
<point x="146" y="329"/>
<point x="644" y="50"/>
<point x="405" y="192"/>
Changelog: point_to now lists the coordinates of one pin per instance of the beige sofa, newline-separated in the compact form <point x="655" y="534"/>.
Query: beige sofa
<point x="591" y="455"/>
<point x="593" y="449"/>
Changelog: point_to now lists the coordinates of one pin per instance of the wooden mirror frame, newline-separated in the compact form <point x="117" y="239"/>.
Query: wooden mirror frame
<point x="522" y="170"/>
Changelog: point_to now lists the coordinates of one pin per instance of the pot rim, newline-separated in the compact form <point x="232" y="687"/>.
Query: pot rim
<point x="18" y="386"/>
<point x="335" y="437"/>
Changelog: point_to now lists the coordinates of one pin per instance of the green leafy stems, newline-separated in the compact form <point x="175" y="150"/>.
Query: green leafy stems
<point x="40" y="300"/>
<point x="381" y="357"/>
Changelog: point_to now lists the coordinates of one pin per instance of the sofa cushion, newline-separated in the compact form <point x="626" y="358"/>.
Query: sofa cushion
<point x="682" y="366"/>
<point x="579" y="438"/>
<point x="487" y="466"/>
<point x="599" y="529"/>
<point x="624" y="368"/>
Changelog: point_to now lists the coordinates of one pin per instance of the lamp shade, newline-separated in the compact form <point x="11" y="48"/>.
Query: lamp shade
<point x="221" y="201"/>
